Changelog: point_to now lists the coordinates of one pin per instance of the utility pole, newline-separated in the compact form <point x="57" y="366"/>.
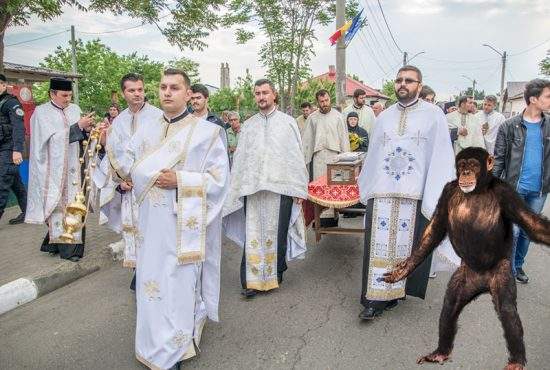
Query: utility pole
<point x="502" y="75"/>
<point x="73" y="60"/>
<point x="404" y="58"/>
<point x="474" y="82"/>
<point x="340" y="55"/>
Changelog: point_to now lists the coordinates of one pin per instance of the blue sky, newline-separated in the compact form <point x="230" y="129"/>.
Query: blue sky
<point x="450" y="32"/>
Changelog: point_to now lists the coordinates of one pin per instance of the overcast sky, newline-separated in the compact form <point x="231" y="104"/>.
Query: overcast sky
<point x="451" y="32"/>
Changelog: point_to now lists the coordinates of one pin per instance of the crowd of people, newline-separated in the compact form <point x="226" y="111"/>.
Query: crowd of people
<point x="172" y="179"/>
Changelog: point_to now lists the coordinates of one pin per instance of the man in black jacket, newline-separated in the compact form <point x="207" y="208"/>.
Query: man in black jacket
<point x="12" y="142"/>
<point x="522" y="158"/>
<point x="199" y="105"/>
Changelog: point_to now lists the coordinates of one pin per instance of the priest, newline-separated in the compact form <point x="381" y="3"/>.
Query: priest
<point x="468" y="126"/>
<point x="325" y="136"/>
<point x="179" y="169"/>
<point x="57" y="128"/>
<point x="116" y="199"/>
<point x="491" y="121"/>
<point x="268" y="184"/>
<point x="409" y="161"/>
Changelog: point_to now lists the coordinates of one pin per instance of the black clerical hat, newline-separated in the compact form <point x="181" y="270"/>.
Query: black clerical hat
<point x="61" y="84"/>
<point x="2" y="77"/>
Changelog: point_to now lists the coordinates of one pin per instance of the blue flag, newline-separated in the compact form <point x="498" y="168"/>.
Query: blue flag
<point x="355" y="26"/>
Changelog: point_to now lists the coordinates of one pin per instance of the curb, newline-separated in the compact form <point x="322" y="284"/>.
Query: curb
<point x="27" y="289"/>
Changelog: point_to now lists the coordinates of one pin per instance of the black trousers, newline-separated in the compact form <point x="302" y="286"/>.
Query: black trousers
<point x="65" y="251"/>
<point x="285" y="211"/>
<point x="417" y="282"/>
<point x="10" y="179"/>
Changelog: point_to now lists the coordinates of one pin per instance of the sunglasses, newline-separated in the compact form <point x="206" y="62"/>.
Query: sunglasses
<point x="407" y="81"/>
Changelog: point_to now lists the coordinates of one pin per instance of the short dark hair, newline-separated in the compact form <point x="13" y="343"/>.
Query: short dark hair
<point x="491" y="98"/>
<point x="134" y="77"/>
<point x="320" y="93"/>
<point x="359" y="92"/>
<point x="411" y="68"/>
<point x="177" y="71"/>
<point x="462" y="99"/>
<point x="534" y="88"/>
<point x="201" y="89"/>
<point x="426" y="90"/>
<point x="265" y="81"/>
<point x="305" y="104"/>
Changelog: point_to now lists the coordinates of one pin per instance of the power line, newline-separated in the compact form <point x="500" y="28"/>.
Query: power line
<point x="529" y="49"/>
<point x="377" y="46"/>
<point x="38" y="38"/>
<point x="381" y="33"/>
<point x="121" y="30"/>
<point x="385" y="21"/>
<point x="363" y="39"/>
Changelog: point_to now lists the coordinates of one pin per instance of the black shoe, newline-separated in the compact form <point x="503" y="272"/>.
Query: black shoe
<point x="521" y="276"/>
<point x="18" y="220"/>
<point x="391" y="304"/>
<point x="370" y="313"/>
<point x="279" y="278"/>
<point x="74" y="259"/>
<point x="249" y="293"/>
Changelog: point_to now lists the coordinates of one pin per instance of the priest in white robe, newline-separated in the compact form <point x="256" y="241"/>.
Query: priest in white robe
<point x="467" y="125"/>
<point x="365" y="113"/>
<point x="326" y="135"/>
<point x="116" y="199"/>
<point x="490" y="122"/>
<point x="268" y="183"/>
<point x="179" y="169"/>
<point x="409" y="161"/>
<point x="54" y="169"/>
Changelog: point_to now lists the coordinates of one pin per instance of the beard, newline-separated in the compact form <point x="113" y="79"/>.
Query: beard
<point x="324" y="110"/>
<point x="405" y="95"/>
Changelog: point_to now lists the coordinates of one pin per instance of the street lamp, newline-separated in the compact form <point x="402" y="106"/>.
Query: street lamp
<point x="407" y="61"/>
<point x="502" y="73"/>
<point x="473" y="86"/>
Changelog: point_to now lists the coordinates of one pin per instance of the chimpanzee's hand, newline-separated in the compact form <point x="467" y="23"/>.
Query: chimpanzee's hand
<point x="399" y="272"/>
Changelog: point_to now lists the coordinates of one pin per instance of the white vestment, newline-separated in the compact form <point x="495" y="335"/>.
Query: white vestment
<point x="470" y="122"/>
<point x="493" y="120"/>
<point x="54" y="172"/>
<point x="410" y="159"/>
<point x="366" y="116"/>
<point x="119" y="211"/>
<point x="325" y="136"/>
<point x="268" y="163"/>
<point x="178" y="234"/>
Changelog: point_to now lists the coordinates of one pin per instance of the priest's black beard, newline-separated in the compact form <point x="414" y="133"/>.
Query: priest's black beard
<point x="409" y="98"/>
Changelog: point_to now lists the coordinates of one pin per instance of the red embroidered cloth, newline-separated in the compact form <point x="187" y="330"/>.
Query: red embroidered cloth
<point x="332" y="196"/>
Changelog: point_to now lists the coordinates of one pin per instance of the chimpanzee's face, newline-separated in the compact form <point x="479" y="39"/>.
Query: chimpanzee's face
<point x="468" y="171"/>
<point x="472" y="169"/>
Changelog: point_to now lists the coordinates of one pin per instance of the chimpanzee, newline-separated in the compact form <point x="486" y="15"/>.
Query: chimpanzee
<point x="477" y="212"/>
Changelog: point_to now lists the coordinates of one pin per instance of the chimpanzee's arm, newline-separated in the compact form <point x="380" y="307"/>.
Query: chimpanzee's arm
<point x="535" y="226"/>
<point x="433" y="235"/>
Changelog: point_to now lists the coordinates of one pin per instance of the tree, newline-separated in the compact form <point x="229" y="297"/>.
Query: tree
<point x="545" y="64"/>
<point x="289" y="27"/>
<point x="307" y="90"/>
<point x="191" y="20"/>
<point x="101" y="70"/>
<point x="388" y="89"/>
<point x="239" y="99"/>
<point x="479" y="94"/>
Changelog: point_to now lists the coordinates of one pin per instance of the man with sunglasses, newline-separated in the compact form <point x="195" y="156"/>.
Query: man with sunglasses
<point x="409" y="161"/>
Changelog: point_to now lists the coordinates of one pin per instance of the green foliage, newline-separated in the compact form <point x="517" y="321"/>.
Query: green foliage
<point x="289" y="27"/>
<point x="545" y="65"/>
<point x="306" y="91"/>
<point x="101" y="70"/>
<point x="239" y="99"/>
<point x="388" y="89"/>
<point x="479" y="94"/>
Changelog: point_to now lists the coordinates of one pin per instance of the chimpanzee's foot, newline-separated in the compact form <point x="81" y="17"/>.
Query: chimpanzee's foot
<point x="434" y="357"/>
<point x="514" y="366"/>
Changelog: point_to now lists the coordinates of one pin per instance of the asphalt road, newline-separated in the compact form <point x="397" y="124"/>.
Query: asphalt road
<point x="310" y="323"/>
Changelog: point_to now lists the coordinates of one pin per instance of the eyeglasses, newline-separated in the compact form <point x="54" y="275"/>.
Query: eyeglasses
<point x="407" y="81"/>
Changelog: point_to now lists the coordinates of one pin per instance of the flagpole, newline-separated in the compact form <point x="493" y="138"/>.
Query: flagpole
<point x="340" y="55"/>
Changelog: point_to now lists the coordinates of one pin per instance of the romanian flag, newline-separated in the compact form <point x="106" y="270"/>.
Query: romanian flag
<point x="340" y="32"/>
